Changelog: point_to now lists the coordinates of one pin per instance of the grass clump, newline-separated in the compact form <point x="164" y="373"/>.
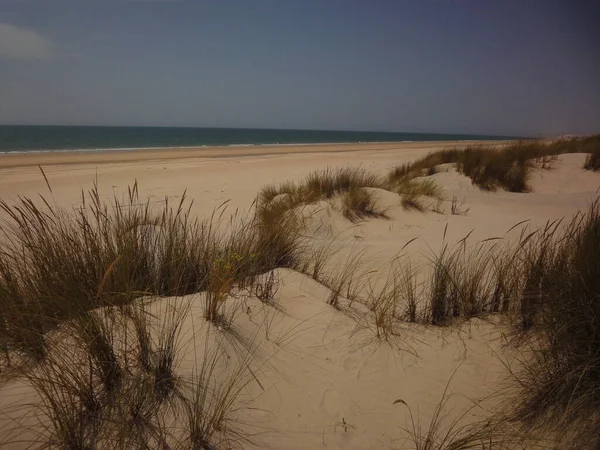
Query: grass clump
<point x="550" y="279"/>
<point x="561" y="377"/>
<point x="151" y="405"/>
<point x="461" y="433"/>
<point x="506" y="166"/>
<point x="592" y="161"/>
<point x="215" y="389"/>
<point x="421" y="166"/>
<point x="58" y="264"/>
<point x="320" y="184"/>
<point x="591" y="145"/>
<point x="394" y="300"/>
<point x="411" y="192"/>
<point x="275" y="202"/>
<point x="328" y="182"/>
<point x="470" y="281"/>
<point x="358" y="203"/>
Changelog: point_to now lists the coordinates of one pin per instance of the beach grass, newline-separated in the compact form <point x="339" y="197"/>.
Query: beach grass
<point x="358" y="203"/>
<point x="559" y="378"/>
<point x="73" y="286"/>
<point x="502" y="166"/>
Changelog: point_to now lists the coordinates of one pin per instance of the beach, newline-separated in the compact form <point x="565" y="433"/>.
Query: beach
<point x="329" y="382"/>
<point x="210" y="175"/>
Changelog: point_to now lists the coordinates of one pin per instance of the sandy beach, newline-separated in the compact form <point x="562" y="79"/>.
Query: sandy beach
<point x="210" y="175"/>
<point x="119" y="156"/>
<point x="329" y="383"/>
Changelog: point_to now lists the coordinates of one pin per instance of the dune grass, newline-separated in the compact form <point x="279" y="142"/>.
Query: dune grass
<point x="507" y="166"/>
<point x="421" y="166"/>
<point x="73" y="285"/>
<point x="386" y="302"/>
<point x="560" y="378"/>
<point x="322" y="184"/>
<point x="82" y="274"/>
<point x="77" y="408"/>
<point x="591" y="145"/>
<point x="349" y="182"/>
<point x="592" y="161"/>
<point x="461" y="281"/>
<point x="549" y="281"/>
<point x="58" y="264"/>
<point x="456" y="435"/>
<point x="274" y="202"/>
<point x="534" y="279"/>
<point x="411" y="192"/>
<point x="358" y="203"/>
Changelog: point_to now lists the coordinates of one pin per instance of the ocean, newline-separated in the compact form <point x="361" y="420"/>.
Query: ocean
<point x="28" y="138"/>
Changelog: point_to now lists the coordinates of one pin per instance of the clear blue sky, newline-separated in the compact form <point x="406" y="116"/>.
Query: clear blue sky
<point x="473" y="66"/>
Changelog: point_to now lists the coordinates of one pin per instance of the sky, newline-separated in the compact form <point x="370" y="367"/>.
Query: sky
<point x="514" y="67"/>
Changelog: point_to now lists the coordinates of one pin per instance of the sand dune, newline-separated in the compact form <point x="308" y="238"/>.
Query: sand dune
<point x="326" y="381"/>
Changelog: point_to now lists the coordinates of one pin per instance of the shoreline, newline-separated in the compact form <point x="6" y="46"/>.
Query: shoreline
<point x="100" y="156"/>
<point x="204" y="146"/>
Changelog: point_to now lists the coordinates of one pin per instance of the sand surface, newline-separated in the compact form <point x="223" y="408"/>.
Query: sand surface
<point x="330" y="384"/>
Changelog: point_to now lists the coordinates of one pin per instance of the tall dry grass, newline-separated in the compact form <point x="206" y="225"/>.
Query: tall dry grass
<point x="58" y="264"/>
<point x="548" y="280"/>
<point x="274" y="202"/>
<point x="76" y="407"/>
<point x="560" y="377"/>
<point x="358" y="203"/>
<point x="74" y="287"/>
<point x="461" y="281"/>
<point x="592" y="147"/>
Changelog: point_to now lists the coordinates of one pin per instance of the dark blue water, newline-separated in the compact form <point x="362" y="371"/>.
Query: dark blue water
<point x="24" y="138"/>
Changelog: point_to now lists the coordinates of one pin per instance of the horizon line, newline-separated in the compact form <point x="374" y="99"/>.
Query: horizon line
<point x="530" y="136"/>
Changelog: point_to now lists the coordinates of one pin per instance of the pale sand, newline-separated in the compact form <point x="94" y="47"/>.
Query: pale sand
<point x="114" y="156"/>
<point x="330" y="371"/>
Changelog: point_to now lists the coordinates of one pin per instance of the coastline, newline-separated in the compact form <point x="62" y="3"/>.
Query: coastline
<point x="100" y="156"/>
